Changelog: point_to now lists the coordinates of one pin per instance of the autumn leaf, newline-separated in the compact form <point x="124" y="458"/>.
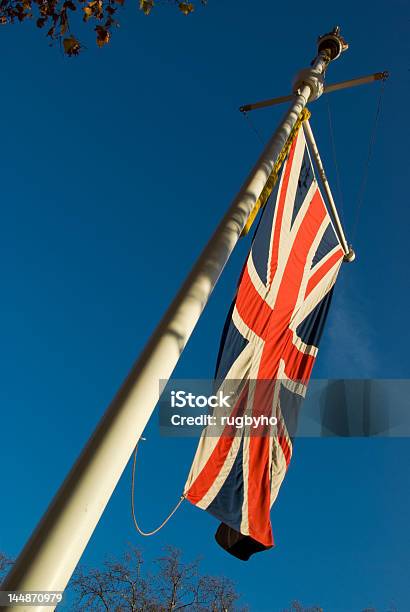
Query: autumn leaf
<point x="146" y="6"/>
<point x="71" y="46"/>
<point x="186" y="7"/>
<point x="87" y="13"/>
<point x="103" y="36"/>
<point x="55" y="15"/>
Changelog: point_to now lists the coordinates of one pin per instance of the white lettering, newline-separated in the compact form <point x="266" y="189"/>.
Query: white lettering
<point x="181" y="401"/>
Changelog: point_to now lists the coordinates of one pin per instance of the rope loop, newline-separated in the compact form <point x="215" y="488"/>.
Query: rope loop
<point x="165" y="521"/>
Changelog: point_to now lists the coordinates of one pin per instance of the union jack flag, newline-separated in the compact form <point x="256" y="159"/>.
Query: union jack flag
<point x="269" y="345"/>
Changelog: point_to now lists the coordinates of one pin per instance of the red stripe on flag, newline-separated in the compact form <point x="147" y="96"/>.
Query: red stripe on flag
<point x="213" y="466"/>
<point x="323" y="270"/>
<point x="251" y="307"/>
<point x="298" y="365"/>
<point x="279" y="211"/>
<point x="259" y="487"/>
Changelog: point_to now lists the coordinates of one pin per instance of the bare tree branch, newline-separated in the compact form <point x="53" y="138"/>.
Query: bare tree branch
<point x="176" y="585"/>
<point x="5" y="564"/>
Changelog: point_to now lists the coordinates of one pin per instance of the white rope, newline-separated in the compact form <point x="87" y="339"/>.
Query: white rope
<point x="137" y="527"/>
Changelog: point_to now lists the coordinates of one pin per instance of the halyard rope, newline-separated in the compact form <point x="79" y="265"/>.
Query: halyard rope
<point x="252" y="126"/>
<point x="165" y="521"/>
<point x="334" y="154"/>
<point x="362" y="189"/>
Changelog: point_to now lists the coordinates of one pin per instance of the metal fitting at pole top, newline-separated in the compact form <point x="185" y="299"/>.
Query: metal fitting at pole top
<point x="330" y="46"/>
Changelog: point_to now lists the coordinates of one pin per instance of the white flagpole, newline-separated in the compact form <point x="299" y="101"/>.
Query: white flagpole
<point x="53" y="551"/>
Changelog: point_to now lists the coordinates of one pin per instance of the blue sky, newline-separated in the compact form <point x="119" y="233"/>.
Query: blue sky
<point x="115" y="168"/>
